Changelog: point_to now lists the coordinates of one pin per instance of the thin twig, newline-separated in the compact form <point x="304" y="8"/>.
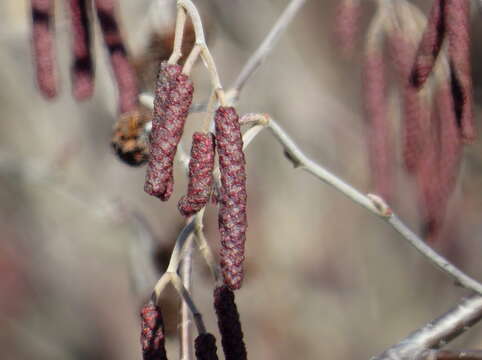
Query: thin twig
<point x="267" y="45"/>
<point x="186" y="328"/>
<point x="179" y="34"/>
<point x="451" y="355"/>
<point x="438" y="332"/>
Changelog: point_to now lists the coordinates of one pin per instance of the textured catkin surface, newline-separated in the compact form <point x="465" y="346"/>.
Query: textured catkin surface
<point x="201" y="168"/>
<point x="43" y="46"/>
<point x="174" y="93"/>
<point x="82" y="64"/>
<point x="458" y="30"/>
<point x="229" y="324"/>
<point x="430" y="44"/>
<point x="205" y="347"/>
<point x="232" y="217"/>
<point x="152" y="333"/>
<point x="347" y="25"/>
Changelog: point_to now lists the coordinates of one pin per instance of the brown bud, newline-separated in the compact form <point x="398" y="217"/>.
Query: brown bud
<point x="232" y="217"/>
<point x="152" y="333"/>
<point x="229" y="324"/>
<point x="171" y="107"/>
<point x="201" y="168"/>
<point x="205" y="347"/>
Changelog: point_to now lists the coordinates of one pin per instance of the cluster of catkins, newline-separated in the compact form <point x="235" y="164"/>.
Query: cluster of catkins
<point x="153" y="335"/>
<point x="173" y="97"/>
<point x="435" y="126"/>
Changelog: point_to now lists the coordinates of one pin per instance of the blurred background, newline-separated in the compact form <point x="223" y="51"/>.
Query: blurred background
<point x="81" y="244"/>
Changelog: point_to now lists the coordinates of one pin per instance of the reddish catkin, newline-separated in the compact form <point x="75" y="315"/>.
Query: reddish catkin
<point x="123" y="70"/>
<point x="152" y="333"/>
<point x="82" y="66"/>
<point x="173" y="97"/>
<point x="430" y="44"/>
<point x="379" y="130"/>
<point x="205" y="347"/>
<point x="458" y="30"/>
<point x="232" y="219"/>
<point x="43" y="46"/>
<point x="401" y="54"/>
<point x="347" y="23"/>
<point x="229" y="324"/>
<point x="201" y="168"/>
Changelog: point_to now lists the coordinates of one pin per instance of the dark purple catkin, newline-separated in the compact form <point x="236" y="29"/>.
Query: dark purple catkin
<point x="458" y="31"/>
<point x="379" y="131"/>
<point x="173" y="98"/>
<point x="430" y="44"/>
<point x="232" y="219"/>
<point x="347" y="25"/>
<point x="43" y="46"/>
<point x="201" y="168"/>
<point x="82" y="65"/>
<point x="205" y="347"/>
<point x="229" y="324"/>
<point x="152" y="333"/>
<point x="123" y="71"/>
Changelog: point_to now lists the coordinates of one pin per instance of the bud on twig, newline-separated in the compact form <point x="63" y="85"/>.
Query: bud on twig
<point x="229" y="324"/>
<point x="232" y="217"/>
<point x="205" y="347"/>
<point x="201" y="168"/>
<point x="152" y="333"/>
<point x="43" y="46"/>
<point x="171" y="107"/>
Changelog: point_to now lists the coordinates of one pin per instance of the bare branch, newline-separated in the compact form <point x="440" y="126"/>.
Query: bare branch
<point x="186" y="328"/>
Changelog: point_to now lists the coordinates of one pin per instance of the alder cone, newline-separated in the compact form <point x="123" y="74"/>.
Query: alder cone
<point x="232" y="219"/>
<point x="152" y="333"/>
<point x="173" y="98"/>
<point x="229" y="324"/>
<point x="205" y="347"/>
<point x="201" y="168"/>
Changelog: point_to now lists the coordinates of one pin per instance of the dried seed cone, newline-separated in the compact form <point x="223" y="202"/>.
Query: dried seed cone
<point x="43" y="46"/>
<point x="201" y="168"/>
<point x="347" y="24"/>
<point x="458" y="30"/>
<point x="430" y="44"/>
<point x="229" y="324"/>
<point x="171" y="107"/>
<point x="205" y="347"/>
<point x="82" y="66"/>
<point x="152" y="333"/>
<point x="232" y="219"/>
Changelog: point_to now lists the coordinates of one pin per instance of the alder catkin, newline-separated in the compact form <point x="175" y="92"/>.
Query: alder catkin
<point x="82" y="70"/>
<point x="430" y="44"/>
<point x="458" y="31"/>
<point x="232" y="219"/>
<point x="173" y="97"/>
<point x="205" y="347"/>
<point x="347" y="25"/>
<point x="201" y="167"/>
<point x="229" y="324"/>
<point x="152" y="333"/>
<point x="43" y="46"/>
<point x="123" y="71"/>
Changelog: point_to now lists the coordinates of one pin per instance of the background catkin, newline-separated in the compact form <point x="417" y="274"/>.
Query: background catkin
<point x="232" y="217"/>
<point x="201" y="167"/>
<point x="123" y="70"/>
<point x="347" y="25"/>
<point x="152" y="333"/>
<point x="173" y="98"/>
<point x="43" y="46"/>
<point x="229" y="324"/>
<point x="205" y="347"/>
<point x="82" y="71"/>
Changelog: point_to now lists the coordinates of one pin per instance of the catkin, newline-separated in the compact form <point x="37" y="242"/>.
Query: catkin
<point x="232" y="219"/>
<point x="205" y="347"/>
<point x="173" y="98"/>
<point x="347" y="25"/>
<point x="123" y="70"/>
<point x="82" y="66"/>
<point x="201" y="168"/>
<point x="43" y="46"/>
<point x="152" y="333"/>
<point x="229" y="324"/>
